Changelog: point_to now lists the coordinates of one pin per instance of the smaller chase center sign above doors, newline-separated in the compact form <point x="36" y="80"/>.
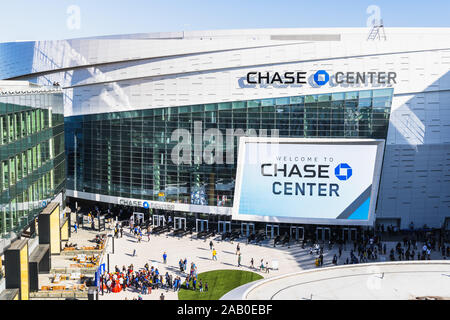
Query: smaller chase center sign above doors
<point x="308" y="180"/>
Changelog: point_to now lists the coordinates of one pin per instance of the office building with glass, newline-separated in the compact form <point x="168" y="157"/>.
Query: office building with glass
<point x="126" y="95"/>
<point x="32" y="153"/>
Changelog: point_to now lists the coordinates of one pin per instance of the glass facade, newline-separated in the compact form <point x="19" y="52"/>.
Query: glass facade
<point x="32" y="155"/>
<point x="128" y="154"/>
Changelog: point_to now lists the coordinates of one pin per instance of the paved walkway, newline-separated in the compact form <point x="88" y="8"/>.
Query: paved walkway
<point x="290" y="260"/>
<point x="381" y="281"/>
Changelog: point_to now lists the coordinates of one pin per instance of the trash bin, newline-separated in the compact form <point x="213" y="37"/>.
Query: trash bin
<point x="92" y="293"/>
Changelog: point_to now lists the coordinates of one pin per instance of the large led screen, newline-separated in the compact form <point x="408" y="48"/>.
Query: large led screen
<point x="323" y="181"/>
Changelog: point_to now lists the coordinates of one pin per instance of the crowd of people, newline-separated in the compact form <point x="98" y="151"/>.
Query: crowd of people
<point x="142" y="281"/>
<point x="372" y="249"/>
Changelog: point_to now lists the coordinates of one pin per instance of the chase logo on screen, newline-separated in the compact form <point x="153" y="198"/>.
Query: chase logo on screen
<point x="343" y="172"/>
<point x="146" y="205"/>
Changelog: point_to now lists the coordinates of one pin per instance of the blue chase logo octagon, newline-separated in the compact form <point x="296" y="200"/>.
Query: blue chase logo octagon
<point x="343" y="172"/>
<point x="321" y="77"/>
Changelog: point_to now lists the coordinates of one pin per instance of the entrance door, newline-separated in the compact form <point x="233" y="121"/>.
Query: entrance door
<point x="179" y="223"/>
<point x="159" y="221"/>
<point x="319" y="234"/>
<point x="297" y="233"/>
<point x="224" y="226"/>
<point x="272" y="230"/>
<point x="345" y="235"/>
<point x="326" y="234"/>
<point x="247" y="229"/>
<point x="138" y="218"/>
<point x="353" y="234"/>
<point x="201" y="225"/>
<point x="349" y="234"/>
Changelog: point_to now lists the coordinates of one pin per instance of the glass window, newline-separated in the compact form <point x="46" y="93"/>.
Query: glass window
<point x="35" y="166"/>
<point x="225" y="106"/>
<point x="5" y="175"/>
<point x="281" y="101"/>
<point x="19" y="167"/>
<point x="33" y="121"/>
<point x="311" y="99"/>
<point x="267" y="102"/>
<point x="337" y="96"/>
<point x="24" y="164"/>
<point x="11" y="127"/>
<point x="42" y="119"/>
<point x="382" y="93"/>
<point x="30" y="160"/>
<point x="23" y="125"/>
<point x="12" y="171"/>
<point x="324" y="97"/>
<point x="38" y="120"/>
<point x="29" y="131"/>
<point x="351" y="95"/>
<point x="38" y="151"/>
<point x="16" y="126"/>
<point x="297" y="100"/>
<point x="4" y="130"/>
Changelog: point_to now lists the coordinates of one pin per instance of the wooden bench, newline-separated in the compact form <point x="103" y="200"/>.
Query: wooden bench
<point x="59" y="288"/>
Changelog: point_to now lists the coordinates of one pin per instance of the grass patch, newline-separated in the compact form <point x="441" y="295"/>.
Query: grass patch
<point x="219" y="282"/>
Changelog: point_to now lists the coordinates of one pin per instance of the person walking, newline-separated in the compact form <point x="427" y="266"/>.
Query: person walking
<point x="239" y="260"/>
<point x="214" y="254"/>
<point x="165" y="257"/>
<point x="252" y="264"/>
<point x="211" y="245"/>
<point x="75" y="226"/>
<point x="238" y="249"/>
<point x="335" y="259"/>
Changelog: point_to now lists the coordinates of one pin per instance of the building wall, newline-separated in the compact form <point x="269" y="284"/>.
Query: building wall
<point x="139" y="72"/>
<point x="32" y="154"/>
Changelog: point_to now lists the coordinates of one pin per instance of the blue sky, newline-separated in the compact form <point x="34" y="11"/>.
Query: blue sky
<point x="47" y="19"/>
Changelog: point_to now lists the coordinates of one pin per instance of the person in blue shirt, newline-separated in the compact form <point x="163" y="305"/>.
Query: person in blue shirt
<point x="165" y="257"/>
